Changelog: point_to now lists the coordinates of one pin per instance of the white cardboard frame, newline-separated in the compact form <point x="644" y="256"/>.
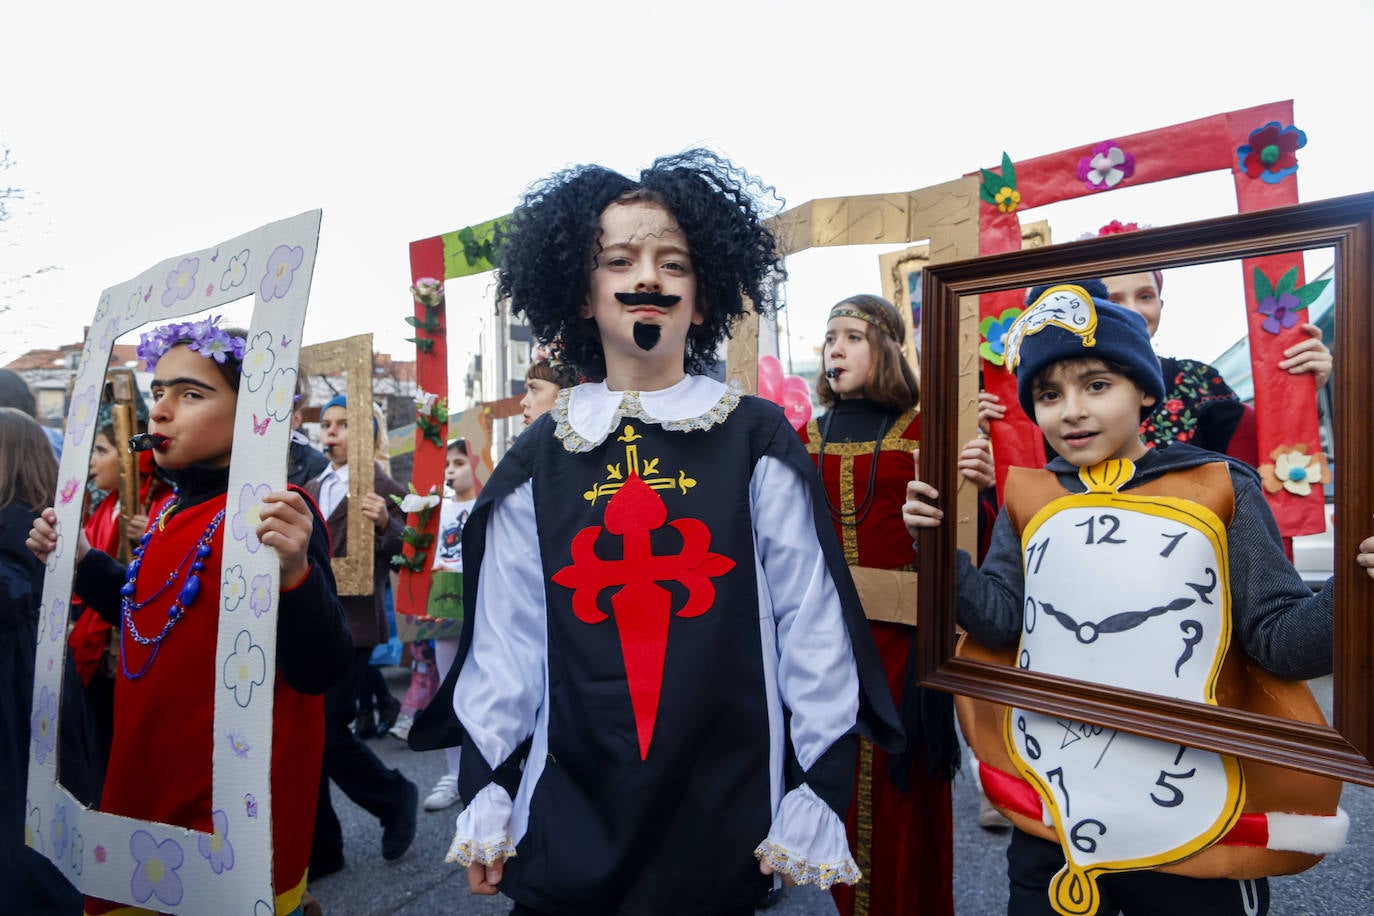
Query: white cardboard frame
<point x="274" y="263"/>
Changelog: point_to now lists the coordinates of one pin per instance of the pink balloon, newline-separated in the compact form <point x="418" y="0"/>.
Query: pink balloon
<point x="770" y="378"/>
<point x="796" y="401"/>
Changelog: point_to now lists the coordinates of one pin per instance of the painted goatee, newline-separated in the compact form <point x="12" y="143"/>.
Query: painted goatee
<point x="647" y="335"/>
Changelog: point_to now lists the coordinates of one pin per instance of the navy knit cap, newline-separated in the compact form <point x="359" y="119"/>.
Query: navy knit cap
<point x="340" y="400"/>
<point x="1076" y="321"/>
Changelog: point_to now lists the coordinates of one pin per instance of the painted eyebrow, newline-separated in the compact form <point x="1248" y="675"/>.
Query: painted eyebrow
<point x="181" y="380"/>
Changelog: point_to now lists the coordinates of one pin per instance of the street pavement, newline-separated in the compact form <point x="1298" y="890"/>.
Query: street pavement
<point x="421" y="884"/>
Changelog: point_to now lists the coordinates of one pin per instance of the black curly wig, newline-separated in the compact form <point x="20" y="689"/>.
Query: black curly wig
<point x="546" y="251"/>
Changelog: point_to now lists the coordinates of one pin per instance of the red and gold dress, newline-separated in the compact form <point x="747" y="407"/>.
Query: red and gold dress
<point x="902" y="840"/>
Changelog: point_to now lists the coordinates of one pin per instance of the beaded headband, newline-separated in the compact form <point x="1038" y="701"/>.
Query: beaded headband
<point x="204" y="337"/>
<point x="848" y="311"/>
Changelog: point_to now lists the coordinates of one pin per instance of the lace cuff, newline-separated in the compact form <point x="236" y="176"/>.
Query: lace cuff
<point x="807" y="842"/>
<point x="482" y="833"/>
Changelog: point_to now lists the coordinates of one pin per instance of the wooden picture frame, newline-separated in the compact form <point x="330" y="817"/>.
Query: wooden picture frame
<point x="1344" y="750"/>
<point x="352" y="355"/>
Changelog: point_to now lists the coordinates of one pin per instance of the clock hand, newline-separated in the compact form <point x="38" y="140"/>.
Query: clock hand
<point x="1088" y="631"/>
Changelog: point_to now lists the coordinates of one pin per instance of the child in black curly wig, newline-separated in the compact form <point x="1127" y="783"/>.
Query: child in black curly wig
<point x="660" y="701"/>
<point x="552" y="247"/>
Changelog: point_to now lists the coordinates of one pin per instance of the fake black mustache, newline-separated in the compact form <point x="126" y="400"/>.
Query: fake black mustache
<point x="658" y="300"/>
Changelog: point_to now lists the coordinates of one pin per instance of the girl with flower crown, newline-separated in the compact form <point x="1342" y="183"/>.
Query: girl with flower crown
<point x="164" y="715"/>
<point x="899" y="824"/>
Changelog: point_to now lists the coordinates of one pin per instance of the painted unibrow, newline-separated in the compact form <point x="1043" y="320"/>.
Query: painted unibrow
<point x="182" y="380"/>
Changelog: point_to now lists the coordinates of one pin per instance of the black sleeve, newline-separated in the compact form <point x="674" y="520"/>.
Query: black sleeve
<point x="97" y="582"/>
<point x="314" y="647"/>
<point x="990" y="595"/>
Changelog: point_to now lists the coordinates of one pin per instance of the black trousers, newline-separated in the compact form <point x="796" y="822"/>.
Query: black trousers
<point x="352" y="766"/>
<point x="521" y="910"/>
<point x="1032" y="862"/>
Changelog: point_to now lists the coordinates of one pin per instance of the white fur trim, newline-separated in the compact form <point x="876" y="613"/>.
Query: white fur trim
<point x="1312" y="833"/>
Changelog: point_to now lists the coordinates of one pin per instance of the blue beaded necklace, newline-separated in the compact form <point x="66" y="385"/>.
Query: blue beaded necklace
<point x="195" y="557"/>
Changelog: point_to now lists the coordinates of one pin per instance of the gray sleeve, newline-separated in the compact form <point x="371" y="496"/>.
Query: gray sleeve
<point x="1278" y="620"/>
<point x="990" y="597"/>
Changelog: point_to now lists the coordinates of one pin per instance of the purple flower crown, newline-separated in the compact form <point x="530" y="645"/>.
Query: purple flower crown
<point x="204" y="337"/>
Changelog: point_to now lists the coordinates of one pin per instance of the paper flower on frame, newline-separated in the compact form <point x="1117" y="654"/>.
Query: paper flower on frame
<point x="281" y="269"/>
<point x="1294" y="470"/>
<point x="245" y="668"/>
<point x="1272" y="153"/>
<point x="181" y="282"/>
<point x="155" y="868"/>
<point x="1281" y="302"/>
<point x="428" y="291"/>
<point x="1105" y="166"/>
<point x="994" y="333"/>
<point x="216" y="847"/>
<point x="1000" y="190"/>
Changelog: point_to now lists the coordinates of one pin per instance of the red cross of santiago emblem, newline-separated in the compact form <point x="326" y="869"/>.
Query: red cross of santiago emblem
<point x="642" y="607"/>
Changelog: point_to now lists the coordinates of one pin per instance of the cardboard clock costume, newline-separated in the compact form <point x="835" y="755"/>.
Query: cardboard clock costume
<point x="160" y="866"/>
<point x="1259" y="147"/>
<point x="1162" y="623"/>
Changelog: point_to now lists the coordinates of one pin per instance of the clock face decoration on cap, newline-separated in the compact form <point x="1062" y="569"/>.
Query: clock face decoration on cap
<point x="1161" y="624"/>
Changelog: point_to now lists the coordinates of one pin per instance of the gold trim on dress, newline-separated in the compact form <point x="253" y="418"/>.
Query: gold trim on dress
<point x="863" y="838"/>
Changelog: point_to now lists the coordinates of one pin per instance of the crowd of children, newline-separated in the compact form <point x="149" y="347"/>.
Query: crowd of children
<point x="684" y="676"/>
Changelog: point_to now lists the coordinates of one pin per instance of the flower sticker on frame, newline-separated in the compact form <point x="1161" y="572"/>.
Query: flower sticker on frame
<point x="244" y="527"/>
<point x="1294" y="470"/>
<point x="245" y="668"/>
<point x="258" y="360"/>
<point x="216" y="847"/>
<point x="1281" y="302"/>
<point x="233" y="587"/>
<point x="155" y="868"/>
<point x="281" y="269"/>
<point x="994" y="334"/>
<point x="1271" y="155"/>
<point x="1105" y="166"/>
<point x="1000" y="190"/>
<point x="181" y="282"/>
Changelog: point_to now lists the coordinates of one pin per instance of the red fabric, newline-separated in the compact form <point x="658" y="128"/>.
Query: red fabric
<point x="911" y="849"/>
<point x="643" y="608"/>
<point x="1285" y="405"/>
<point x="1012" y="793"/>
<point x="91" y="634"/>
<point x="161" y="761"/>
<point x="431" y="375"/>
<point x="1287" y="411"/>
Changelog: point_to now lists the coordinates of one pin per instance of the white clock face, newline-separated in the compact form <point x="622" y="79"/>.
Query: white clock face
<point x="1160" y="623"/>
<point x="1120" y="798"/>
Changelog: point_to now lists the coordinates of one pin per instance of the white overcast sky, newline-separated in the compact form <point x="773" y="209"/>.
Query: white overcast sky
<point x="144" y="130"/>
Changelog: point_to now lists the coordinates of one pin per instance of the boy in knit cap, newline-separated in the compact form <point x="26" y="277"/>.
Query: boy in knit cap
<point x="1134" y="567"/>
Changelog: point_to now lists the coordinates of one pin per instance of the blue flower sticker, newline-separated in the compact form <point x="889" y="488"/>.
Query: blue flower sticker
<point x="216" y="847"/>
<point x="994" y="333"/>
<point x="181" y="282"/>
<point x="155" y="869"/>
<point x="281" y="269"/>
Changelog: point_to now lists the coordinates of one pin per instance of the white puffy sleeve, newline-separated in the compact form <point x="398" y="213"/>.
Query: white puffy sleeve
<point x="817" y="676"/>
<point x="500" y="688"/>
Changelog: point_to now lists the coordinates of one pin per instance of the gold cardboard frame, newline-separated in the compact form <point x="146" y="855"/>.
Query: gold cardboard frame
<point x="353" y="355"/>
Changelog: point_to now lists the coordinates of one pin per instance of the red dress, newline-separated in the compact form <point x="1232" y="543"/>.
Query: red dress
<point x="91" y="634"/>
<point x="161" y="762"/>
<point x="902" y="841"/>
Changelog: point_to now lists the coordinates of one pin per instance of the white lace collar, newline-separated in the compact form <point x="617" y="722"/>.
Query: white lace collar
<point x="586" y="415"/>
